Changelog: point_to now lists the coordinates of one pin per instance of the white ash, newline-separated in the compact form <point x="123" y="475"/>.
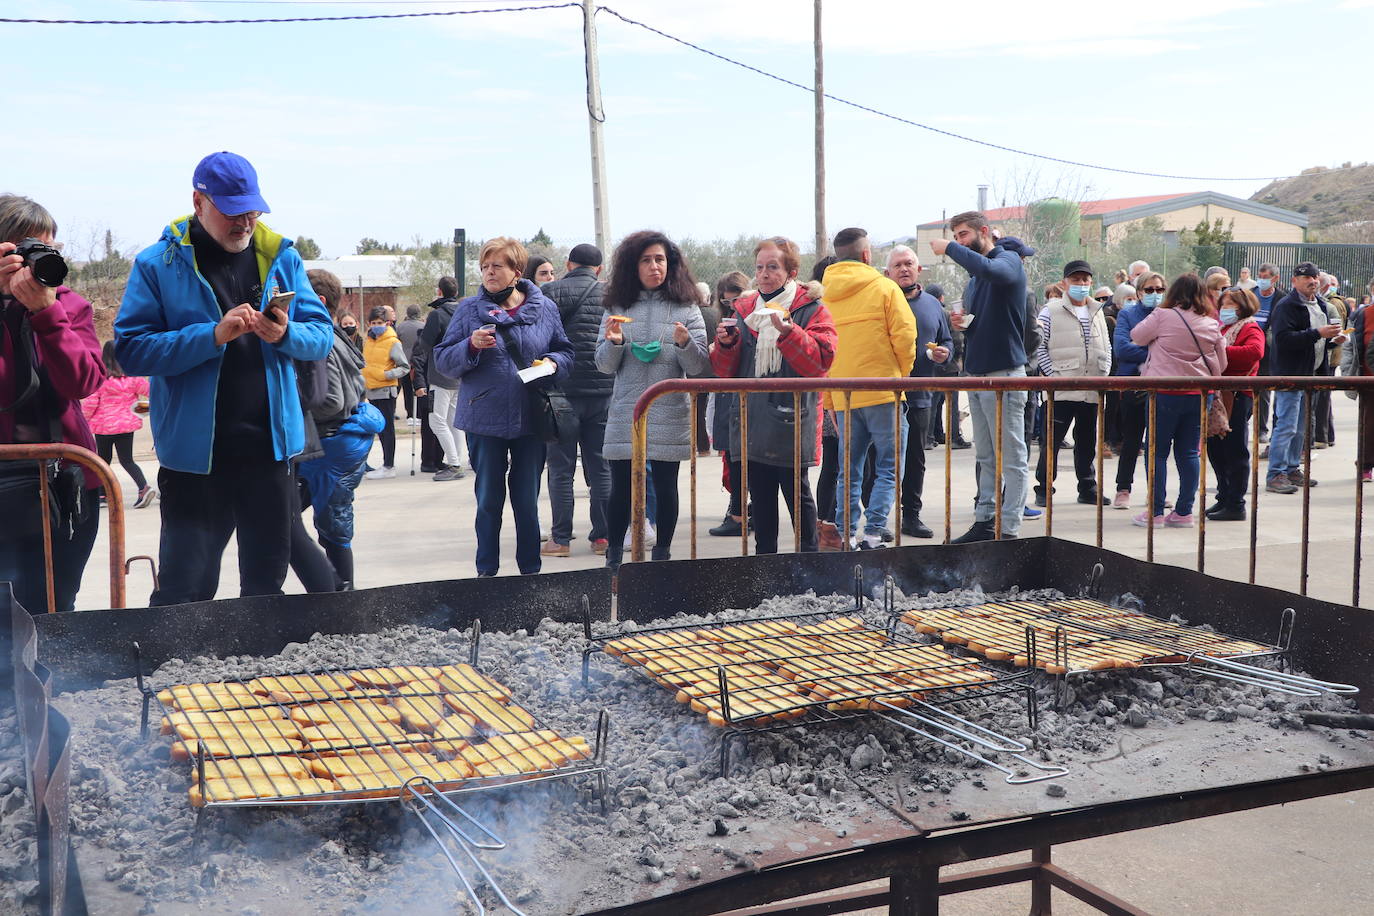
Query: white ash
<point x="672" y="820"/>
<point x="18" y="832"/>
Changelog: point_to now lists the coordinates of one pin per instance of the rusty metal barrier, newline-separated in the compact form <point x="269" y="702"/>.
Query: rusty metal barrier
<point x="48" y="451"/>
<point x="845" y="387"/>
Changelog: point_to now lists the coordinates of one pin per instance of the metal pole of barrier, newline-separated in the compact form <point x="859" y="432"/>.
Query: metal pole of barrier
<point x="45" y="511"/>
<point x="1306" y="484"/>
<point x="1254" y="484"/>
<point x="744" y="524"/>
<point x="694" y="402"/>
<point x="1359" y="499"/>
<point x="949" y="465"/>
<point x="1101" y="458"/>
<point x="1150" y="436"/>
<point x="897" y="407"/>
<point x="997" y="477"/>
<point x="845" y="460"/>
<point x="638" y="485"/>
<point x="1049" y="446"/>
<point x="797" y="470"/>
<point x="1200" y="500"/>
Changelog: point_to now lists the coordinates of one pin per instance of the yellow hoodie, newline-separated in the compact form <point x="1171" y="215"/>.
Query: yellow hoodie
<point x="877" y="330"/>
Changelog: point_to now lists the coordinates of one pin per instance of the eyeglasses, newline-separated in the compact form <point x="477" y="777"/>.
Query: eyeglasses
<point x="1152" y="289"/>
<point x="1103" y="298"/>
<point x="251" y="216"/>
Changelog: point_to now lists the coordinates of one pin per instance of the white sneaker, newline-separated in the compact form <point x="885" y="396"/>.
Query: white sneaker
<point x="381" y="473"/>
<point x="650" y="537"/>
<point x="412" y="421"/>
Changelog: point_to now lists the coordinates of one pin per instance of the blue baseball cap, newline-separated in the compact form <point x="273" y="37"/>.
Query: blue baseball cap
<point x="231" y="181"/>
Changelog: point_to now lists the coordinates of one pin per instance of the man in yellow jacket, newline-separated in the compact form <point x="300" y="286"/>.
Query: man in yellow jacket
<point x="877" y="339"/>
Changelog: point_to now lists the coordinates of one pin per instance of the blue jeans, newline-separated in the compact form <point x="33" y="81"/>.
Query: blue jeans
<point x="982" y="408"/>
<point x="492" y="457"/>
<point x="872" y="426"/>
<point x="1286" y="440"/>
<point x="1177" y="425"/>
<point x="591" y="426"/>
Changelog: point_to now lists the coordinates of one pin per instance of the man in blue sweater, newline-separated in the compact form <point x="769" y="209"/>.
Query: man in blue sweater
<point x="994" y="324"/>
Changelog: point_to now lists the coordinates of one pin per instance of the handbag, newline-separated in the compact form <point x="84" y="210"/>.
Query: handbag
<point x="551" y="413"/>
<point x="1218" y="411"/>
<point x="21" y="503"/>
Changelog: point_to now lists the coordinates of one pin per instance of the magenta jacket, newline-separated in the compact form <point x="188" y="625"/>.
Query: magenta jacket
<point x="67" y="349"/>
<point x="1173" y="351"/>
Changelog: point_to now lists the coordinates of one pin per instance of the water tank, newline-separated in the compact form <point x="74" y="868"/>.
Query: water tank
<point x="1053" y="222"/>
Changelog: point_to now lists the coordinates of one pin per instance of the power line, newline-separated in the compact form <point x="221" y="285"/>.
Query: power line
<point x="351" y="18"/>
<point x="908" y="121"/>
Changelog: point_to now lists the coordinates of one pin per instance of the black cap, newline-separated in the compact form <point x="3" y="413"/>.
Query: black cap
<point x="1077" y="267"/>
<point x="1307" y="269"/>
<point x="586" y="255"/>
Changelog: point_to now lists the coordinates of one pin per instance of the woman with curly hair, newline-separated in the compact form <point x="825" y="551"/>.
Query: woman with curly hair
<point x="653" y="330"/>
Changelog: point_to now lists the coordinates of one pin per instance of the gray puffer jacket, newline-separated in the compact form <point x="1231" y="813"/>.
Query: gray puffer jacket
<point x="654" y="317"/>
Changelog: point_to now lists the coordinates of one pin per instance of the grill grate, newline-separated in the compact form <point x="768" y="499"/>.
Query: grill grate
<point x="350" y="735"/>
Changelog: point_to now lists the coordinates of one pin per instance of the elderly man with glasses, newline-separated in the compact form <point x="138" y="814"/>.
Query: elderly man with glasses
<point x="216" y="311"/>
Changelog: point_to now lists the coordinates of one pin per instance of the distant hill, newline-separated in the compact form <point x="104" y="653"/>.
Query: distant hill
<point x="1329" y="197"/>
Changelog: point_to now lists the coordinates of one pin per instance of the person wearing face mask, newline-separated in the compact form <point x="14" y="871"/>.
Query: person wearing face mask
<point x="664" y="338"/>
<point x="1229" y="455"/>
<point x="509" y="325"/>
<point x="1268" y="290"/>
<point x="384" y="362"/>
<point x="1303" y="334"/>
<point x="783" y="331"/>
<point x="349" y="326"/>
<point x="1134" y="404"/>
<point x="1074" y="343"/>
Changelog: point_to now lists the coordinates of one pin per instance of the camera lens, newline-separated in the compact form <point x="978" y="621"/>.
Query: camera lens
<point x="47" y="264"/>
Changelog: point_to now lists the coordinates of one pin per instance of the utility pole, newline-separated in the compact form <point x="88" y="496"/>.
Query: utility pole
<point x="596" y="117"/>
<point x="822" y="240"/>
<point x="460" y="261"/>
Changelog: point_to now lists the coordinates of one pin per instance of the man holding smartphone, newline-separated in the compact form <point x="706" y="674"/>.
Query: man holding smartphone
<point x="214" y="313"/>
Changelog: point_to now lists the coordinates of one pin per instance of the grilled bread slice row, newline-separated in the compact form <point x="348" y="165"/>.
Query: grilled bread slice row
<point x="491" y="714"/>
<point x="214" y="695"/>
<point x="234" y="747"/>
<point x="346" y="712"/>
<point x="224" y="790"/>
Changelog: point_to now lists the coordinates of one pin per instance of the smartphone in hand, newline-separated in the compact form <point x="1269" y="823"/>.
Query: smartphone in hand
<point x="281" y="301"/>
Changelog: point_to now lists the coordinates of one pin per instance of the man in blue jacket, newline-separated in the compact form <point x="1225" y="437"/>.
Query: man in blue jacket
<point x="226" y="414"/>
<point x="994" y="325"/>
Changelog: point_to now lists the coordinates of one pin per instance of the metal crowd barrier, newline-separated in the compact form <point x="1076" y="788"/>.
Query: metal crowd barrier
<point x="845" y="387"/>
<point x="40" y="453"/>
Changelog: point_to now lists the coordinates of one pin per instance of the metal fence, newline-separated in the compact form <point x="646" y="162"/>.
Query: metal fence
<point x="43" y="453"/>
<point x="843" y="388"/>
<point x="1352" y="264"/>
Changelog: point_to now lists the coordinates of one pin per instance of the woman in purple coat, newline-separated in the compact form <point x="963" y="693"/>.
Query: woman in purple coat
<point x="493" y="404"/>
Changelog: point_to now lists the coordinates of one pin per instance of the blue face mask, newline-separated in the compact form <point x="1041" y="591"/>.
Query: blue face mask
<point x="1150" y="300"/>
<point x="377" y="330"/>
<point x="1263" y="284"/>
<point x="1079" y="293"/>
<point x="1228" y="316"/>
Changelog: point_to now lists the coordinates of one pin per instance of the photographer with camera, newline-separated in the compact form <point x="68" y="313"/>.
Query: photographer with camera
<point x="49" y="361"/>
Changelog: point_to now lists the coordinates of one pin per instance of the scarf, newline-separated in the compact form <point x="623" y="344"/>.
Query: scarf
<point x="1233" y="331"/>
<point x="767" y="356"/>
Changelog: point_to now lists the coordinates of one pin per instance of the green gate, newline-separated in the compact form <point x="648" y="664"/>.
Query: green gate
<point x="1352" y="264"/>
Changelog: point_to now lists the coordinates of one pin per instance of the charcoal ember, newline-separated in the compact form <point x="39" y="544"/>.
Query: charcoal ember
<point x="1149" y="690"/>
<point x="868" y="754"/>
<point x="1055" y="790"/>
<point x="958" y="815"/>
<point x="693" y="873"/>
<point x="1105" y="708"/>
<point x="1137" y="717"/>
<point x="725" y="809"/>
<point x="654" y="875"/>
<point x="717" y="828"/>
<point x="650" y="856"/>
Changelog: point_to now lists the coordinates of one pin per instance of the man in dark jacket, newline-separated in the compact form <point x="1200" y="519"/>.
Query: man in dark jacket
<point x="441" y="390"/>
<point x="934" y="346"/>
<point x="994" y="324"/>
<point x="1303" y="335"/>
<point x="578" y="297"/>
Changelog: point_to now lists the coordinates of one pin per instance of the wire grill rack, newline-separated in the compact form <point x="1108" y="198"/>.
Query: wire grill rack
<point x="342" y="735"/>
<point x="776" y="672"/>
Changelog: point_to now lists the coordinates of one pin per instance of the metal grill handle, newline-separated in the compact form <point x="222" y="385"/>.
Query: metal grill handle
<point x="428" y="802"/>
<point x="1276" y="681"/>
<point x="1050" y="771"/>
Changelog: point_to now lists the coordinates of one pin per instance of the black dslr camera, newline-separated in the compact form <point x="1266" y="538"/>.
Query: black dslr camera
<point x="45" y="261"/>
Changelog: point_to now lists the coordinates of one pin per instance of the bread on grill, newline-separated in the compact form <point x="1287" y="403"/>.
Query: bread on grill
<point x="234" y="747"/>
<point x="223" y="790"/>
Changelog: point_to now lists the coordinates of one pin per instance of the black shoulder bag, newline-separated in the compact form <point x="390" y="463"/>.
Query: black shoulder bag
<point x="553" y="416"/>
<point x="21" y="503"/>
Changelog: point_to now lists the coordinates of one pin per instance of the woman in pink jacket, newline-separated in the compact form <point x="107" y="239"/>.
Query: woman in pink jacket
<point x="1183" y="339"/>
<point x="113" y="413"/>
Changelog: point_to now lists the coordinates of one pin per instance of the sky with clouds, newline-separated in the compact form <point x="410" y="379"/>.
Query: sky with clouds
<point x="398" y="128"/>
